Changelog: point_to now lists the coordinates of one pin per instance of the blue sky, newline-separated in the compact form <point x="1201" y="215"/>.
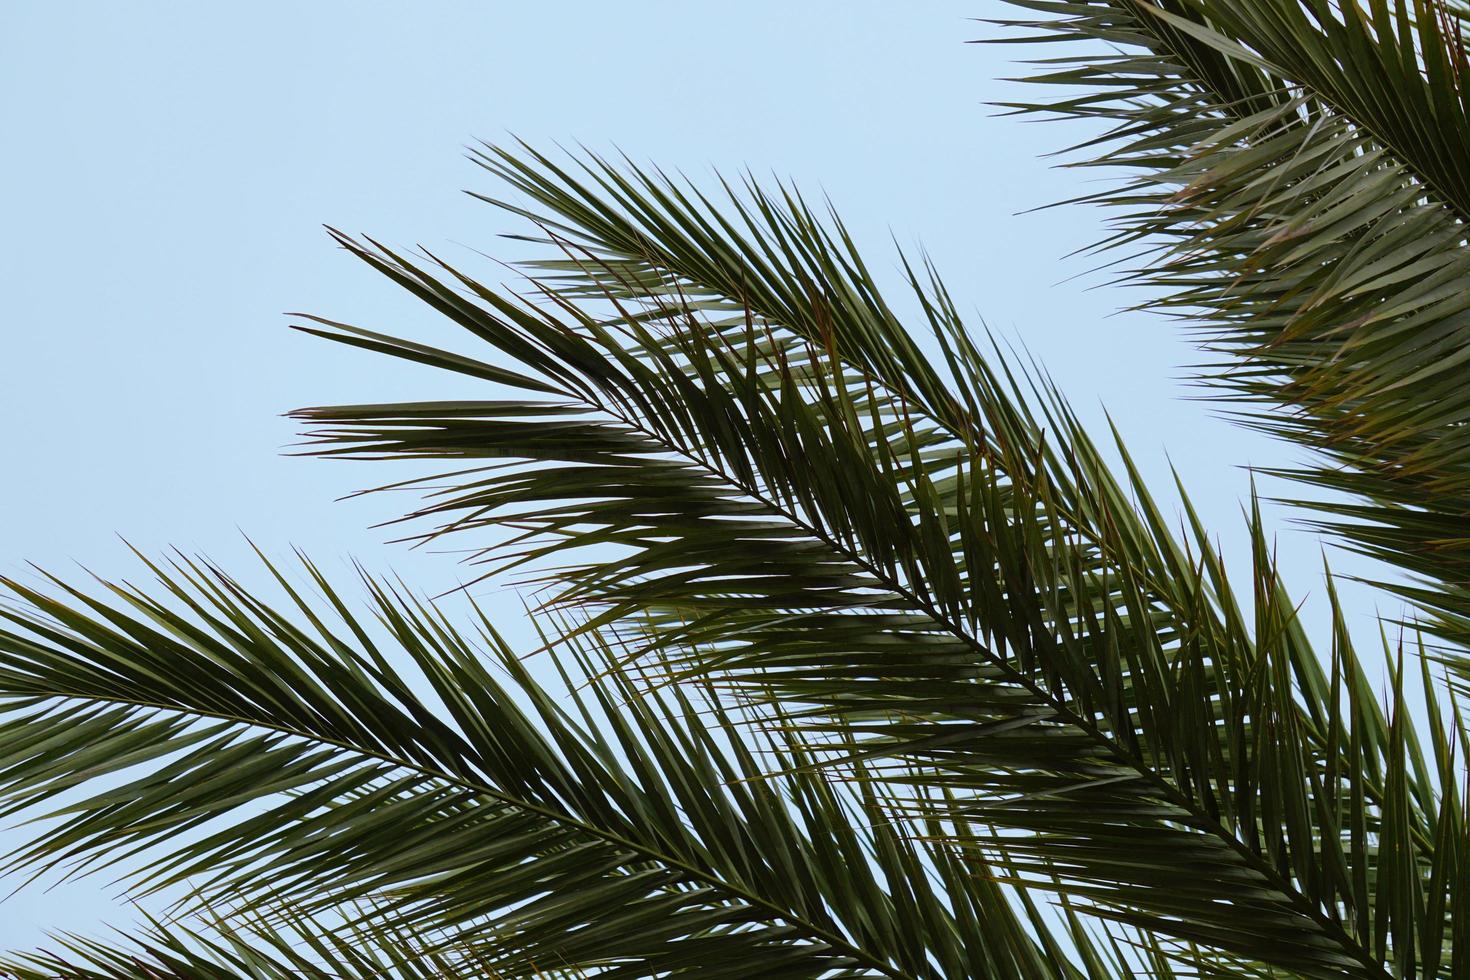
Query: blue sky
<point x="169" y="167"/>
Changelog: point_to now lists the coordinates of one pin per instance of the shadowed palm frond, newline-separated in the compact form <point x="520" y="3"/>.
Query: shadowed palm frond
<point x="782" y="492"/>
<point x="1298" y="192"/>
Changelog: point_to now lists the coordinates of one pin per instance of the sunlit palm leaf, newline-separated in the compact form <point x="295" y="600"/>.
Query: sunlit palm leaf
<point x="1301" y="196"/>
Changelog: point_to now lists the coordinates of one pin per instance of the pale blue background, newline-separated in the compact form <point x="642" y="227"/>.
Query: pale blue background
<point x="167" y="166"/>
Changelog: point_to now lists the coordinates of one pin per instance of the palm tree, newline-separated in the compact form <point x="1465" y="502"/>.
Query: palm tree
<point x="862" y="661"/>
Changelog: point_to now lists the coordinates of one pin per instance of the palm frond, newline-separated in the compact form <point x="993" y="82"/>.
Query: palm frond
<point x="785" y="494"/>
<point x="1298" y="196"/>
<point x="264" y="756"/>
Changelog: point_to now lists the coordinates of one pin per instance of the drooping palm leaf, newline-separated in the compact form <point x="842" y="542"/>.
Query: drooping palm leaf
<point x="1299" y="193"/>
<point x="265" y="756"/>
<point x="786" y="492"/>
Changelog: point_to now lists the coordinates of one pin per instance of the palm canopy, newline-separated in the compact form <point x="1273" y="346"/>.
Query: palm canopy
<point x="892" y="566"/>
<point x="863" y="663"/>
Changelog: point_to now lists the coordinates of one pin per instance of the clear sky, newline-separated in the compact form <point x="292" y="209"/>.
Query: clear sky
<point x="168" y="166"/>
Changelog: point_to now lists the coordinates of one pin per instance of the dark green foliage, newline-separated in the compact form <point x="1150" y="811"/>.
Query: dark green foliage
<point x="857" y="660"/>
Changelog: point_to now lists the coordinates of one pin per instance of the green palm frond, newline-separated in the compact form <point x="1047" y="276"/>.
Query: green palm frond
<point x="784" y="493"/>
<point x="264" y="757"/>
<point x="1298" y="194"/>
